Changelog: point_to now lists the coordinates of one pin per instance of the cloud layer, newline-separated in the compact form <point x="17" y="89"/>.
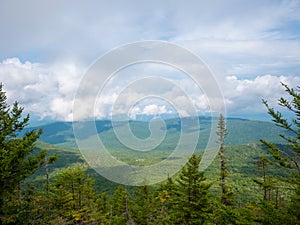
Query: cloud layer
<point x="44" y="90"/>
<point x="46" y="47"/>
<point x="243" y="36"/>
<point x="48" y="91"/>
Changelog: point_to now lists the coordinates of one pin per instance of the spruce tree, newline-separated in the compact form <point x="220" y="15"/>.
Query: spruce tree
<point x="166" y="199"/>
<point x="120" y="210"/>
<point x="226" y="195"/>
<point x="18" y="160"/>
<point x="192" y="202"/>
<point x="145" y="207"/>
<point x="72" y="197"/>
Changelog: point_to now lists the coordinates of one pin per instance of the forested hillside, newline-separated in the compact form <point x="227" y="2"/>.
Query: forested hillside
<point x="253" y="180"/>
<point x="61" y="133"/>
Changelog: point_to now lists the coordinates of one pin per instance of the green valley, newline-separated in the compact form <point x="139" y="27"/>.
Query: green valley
<point x="243" y="150"/>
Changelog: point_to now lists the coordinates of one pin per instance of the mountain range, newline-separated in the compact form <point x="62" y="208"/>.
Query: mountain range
<point x="242" y="146"/>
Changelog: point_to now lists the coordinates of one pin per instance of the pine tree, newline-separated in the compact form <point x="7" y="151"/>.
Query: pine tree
<point x="192" y="202"/>
<point x="17" y="157"/>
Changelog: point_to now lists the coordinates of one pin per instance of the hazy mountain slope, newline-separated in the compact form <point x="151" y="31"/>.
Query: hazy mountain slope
<point x="240" y="131"/>
<point x="68" y="157"/>
<point x="241" y="162"/>
<point x="243" y="151"/>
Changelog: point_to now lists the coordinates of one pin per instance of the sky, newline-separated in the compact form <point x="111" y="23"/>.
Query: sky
<point x="47" y="47"/>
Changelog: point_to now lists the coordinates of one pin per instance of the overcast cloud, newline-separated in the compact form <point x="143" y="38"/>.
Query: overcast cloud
<point x="47" y="46"/>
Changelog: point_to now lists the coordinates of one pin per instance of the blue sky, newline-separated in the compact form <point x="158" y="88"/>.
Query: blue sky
<point x="46" y="48"/>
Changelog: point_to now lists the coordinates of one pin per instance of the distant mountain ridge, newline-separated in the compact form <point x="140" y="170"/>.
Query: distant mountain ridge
<point x="240" y="131"/>
<point x="242" y="141"/>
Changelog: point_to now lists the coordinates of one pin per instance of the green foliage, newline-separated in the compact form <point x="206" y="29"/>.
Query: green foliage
<point x="267" y="213"/>
<point x="294" y="206"/>
<point x="69" y="197"/>
<point x="265" y="182"/>
<point x="61" y="134"/>
<point x="192" y="200"/>
<point x="287" y="158"/>
<point x="166" y="198"/>
<point x="226" y="194"/>
<point x="145" y="205"/>
<point x="72" y="196"/>
<point x="120" y="207"/>
<point x="225" y="215"/>
<point x="17" y="157"/>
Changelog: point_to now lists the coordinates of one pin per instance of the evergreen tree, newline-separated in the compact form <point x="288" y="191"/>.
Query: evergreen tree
<point x="294" y="207"/>
<point x="72" y="197"/>
<point x="288" y="158"/>
<point x="47" y="161"/>
<point x="120" y="212"/>
<point x="104" y="209"/>
<point x="226" y="195"/>
<point x="17" y="157"/>
<point x="265" y="181"/>
<point x="145" y="206"/>
<point x="192" y="202"/>
<point x="166" y="198"/>
<point x="224" y="213"/>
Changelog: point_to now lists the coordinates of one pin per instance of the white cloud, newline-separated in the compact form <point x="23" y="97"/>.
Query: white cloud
<point x="45" y="90"/>
<point x="45" y="47"/>
<point x="61" y="108"/>
<point x="49" y="90"/>
<point x="154" y="109"/>
<point x="245" y="95"/>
